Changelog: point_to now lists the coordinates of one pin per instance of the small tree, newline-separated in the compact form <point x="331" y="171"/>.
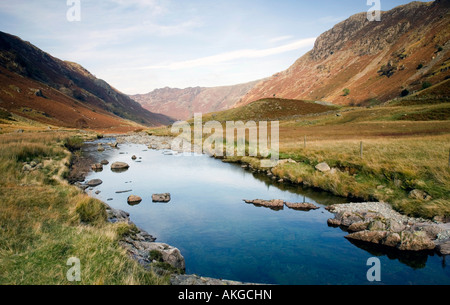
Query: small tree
<point x="346" y="91"/>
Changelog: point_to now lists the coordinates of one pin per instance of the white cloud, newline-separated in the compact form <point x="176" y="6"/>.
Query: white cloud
<point x="157" y="7"/>
<point x="281" y="38"/>
<point x="234" y="55"/>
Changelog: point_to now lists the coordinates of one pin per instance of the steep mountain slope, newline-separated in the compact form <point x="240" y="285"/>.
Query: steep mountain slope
<point x="361" y="62"/>
<point x="31" y="78"/>
<point x="183" y="103"/>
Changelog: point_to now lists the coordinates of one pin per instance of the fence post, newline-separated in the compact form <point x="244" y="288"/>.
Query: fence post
<point x="361" y="150"/>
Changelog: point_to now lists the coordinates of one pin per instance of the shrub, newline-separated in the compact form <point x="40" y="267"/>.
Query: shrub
<point x="426" y="85"/>
<point x="90" y="210"/>
<point x="5" y="115"/>
<point x="387" y="70"/>
<point x="124" y="229"/>
<point x="73" y="143"/>
<point x="346" y="91"/>
<point x="420" y="66"/>
<point x="405" y="92"/>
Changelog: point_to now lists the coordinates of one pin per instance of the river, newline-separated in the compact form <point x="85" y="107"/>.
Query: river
<point x="221" y="236"/>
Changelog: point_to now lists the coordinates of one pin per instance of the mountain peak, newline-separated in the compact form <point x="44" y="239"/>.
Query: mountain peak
<point x="374" y="60"/>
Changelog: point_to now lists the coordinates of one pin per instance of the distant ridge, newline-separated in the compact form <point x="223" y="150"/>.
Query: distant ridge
<point x="183" y="103"/>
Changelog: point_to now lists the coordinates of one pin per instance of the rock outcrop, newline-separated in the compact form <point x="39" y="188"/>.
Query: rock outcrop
<point x="141" y="245"/>
<point x="278" y="204"/>
<point x="196" y="280"/>
<point x="378" y="223"/>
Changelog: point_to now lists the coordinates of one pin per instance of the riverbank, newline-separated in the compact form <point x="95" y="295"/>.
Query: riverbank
<point x="45" y="221"/>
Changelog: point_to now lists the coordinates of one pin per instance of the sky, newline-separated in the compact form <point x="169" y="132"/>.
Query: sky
<point x="140" y="45"/>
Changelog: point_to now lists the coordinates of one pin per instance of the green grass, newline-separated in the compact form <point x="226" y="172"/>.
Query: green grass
<point x="43" y="225"/>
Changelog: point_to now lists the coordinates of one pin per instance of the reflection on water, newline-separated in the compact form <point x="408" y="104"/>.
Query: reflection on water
<point x="223" y="237"/>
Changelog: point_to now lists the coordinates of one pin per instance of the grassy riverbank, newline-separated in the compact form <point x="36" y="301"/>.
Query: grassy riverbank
<point x="44" y="221"/>
<point x="400" y="153"/>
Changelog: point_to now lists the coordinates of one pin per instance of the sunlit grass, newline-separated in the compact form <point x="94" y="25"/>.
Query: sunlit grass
<point x="44" y="221"/>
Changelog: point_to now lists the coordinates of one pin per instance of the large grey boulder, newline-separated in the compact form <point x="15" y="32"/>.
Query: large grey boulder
<point x="323" y="167"/>
<point x="170" y="255"/>
<point x="134" y="200"/>
<point x="94" y="182"/>
<point x="161" y="197"/>
<point x="119" y="166"/>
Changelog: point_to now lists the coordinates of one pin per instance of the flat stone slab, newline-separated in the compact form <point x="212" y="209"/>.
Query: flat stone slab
<point x="196" y="280"/>
<point x="133" y="200"/>
<point x="119" y="165"/>
<point x="303" y="206"/>
<point x="161" y="197"/>
<point x="94" y="182"/>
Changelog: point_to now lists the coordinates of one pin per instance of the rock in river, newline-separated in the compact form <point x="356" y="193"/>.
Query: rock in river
<point x="97" y="167"/>
<point x="119" y="166"/>
<point x="161" y="197"/>
<point x="277" y="204"/>
<point x="301" y="206"/>
<point x="94" y="182"/>
<point x="133" y="200"/>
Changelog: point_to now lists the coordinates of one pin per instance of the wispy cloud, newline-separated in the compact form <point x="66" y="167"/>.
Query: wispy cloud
<point x="232" y="56"/>
<point x="157" y="7"/>
<point x="280" y="38"/>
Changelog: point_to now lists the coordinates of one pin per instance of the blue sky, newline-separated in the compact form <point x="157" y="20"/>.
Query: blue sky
<point x="140" y="45"/>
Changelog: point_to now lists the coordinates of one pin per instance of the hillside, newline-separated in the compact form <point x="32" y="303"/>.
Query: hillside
<point x="271" y="109"/>
<point x="38" y="86"/>
<point x="375" y="61"/>
<point x="183" y="103"/>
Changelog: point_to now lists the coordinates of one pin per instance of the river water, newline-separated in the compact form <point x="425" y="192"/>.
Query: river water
<point x="221" y="236"/>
